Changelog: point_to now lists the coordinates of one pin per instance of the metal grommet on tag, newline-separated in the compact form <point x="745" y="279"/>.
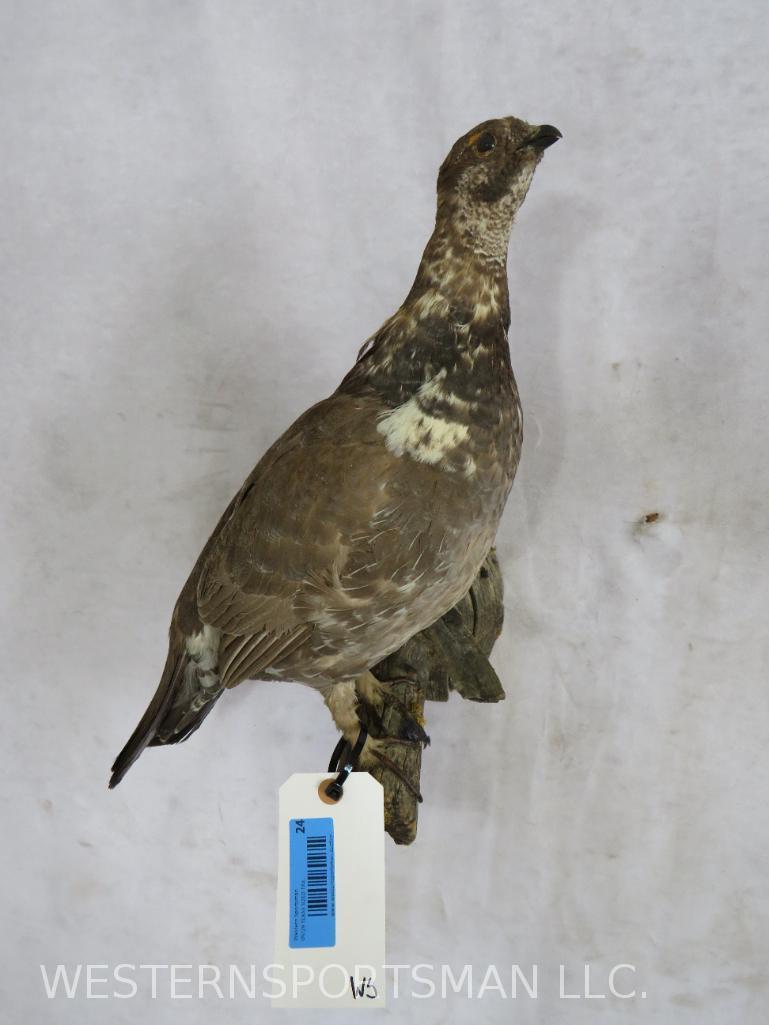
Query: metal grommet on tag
<point x="323" y="794"/>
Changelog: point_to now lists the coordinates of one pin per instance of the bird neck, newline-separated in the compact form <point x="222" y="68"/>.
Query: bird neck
<point x="463" y="274"/>
<point x="452" y="326"/>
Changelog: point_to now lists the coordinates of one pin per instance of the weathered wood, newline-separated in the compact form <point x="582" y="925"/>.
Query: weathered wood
<point x="452" y="654"/>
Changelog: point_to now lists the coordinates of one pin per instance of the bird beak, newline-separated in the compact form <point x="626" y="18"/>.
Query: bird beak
<point x="543" y="137"/>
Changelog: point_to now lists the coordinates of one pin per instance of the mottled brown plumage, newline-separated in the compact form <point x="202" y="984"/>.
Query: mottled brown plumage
<point x="370" y="517"/>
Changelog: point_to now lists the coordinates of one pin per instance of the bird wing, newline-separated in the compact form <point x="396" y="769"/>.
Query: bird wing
<point x="297" y="519"/>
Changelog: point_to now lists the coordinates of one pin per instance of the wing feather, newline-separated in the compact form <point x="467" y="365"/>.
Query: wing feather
<point x="264" y="655"/>
<point x="315" y="512"/>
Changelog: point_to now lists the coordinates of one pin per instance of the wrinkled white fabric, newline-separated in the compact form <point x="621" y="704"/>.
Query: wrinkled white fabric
<point x="206" y="208"/>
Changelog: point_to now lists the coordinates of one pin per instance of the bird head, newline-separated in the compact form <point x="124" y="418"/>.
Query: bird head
<point x="487" y="173"/>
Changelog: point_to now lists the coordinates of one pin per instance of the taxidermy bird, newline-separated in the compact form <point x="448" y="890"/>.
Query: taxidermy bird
<point x="370" y="517"/>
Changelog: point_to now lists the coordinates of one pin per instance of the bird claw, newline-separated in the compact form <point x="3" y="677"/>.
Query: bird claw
<point x="409" y="730"/>
<point x="390" y="765"/>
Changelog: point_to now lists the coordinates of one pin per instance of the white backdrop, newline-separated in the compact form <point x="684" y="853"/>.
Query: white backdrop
<point x="206" y="208"/>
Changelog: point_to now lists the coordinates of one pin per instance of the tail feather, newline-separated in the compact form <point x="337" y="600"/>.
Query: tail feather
<point x="184" y="718"/>
<point x="158" y="708"/>
<point x="188" y="690"/>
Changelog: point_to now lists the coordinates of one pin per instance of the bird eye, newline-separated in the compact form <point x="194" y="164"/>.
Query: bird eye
<point x="485" y="143"/>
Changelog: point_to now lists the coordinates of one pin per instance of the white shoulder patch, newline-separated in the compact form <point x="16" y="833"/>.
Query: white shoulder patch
<point x="409" y="430"/>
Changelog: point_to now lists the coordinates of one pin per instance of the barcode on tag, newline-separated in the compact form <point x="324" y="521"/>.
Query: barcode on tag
<point x="312" y="914"/>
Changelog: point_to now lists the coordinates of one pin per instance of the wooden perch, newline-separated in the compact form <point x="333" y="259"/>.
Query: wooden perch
<point x="452" y="654"/>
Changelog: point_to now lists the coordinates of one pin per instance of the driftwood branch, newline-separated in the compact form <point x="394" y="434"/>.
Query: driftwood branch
<point x="452" y="654"/>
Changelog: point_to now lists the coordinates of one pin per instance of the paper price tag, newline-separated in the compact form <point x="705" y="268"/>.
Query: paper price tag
<point x="330" y="928"/>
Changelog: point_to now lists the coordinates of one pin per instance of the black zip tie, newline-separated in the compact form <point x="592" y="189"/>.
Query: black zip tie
<point x="348" y="758"/>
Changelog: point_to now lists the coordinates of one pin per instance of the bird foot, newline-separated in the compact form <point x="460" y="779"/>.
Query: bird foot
<point x="411" y="731"/>
<point x="365" y="702"/>
<point x="375" y="697"/>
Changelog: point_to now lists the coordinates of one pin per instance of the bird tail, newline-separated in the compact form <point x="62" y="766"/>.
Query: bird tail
<point x="184" y="697"/>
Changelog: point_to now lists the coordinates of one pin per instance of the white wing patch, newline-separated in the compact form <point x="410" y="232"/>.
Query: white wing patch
<point x="203" y="647"/>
